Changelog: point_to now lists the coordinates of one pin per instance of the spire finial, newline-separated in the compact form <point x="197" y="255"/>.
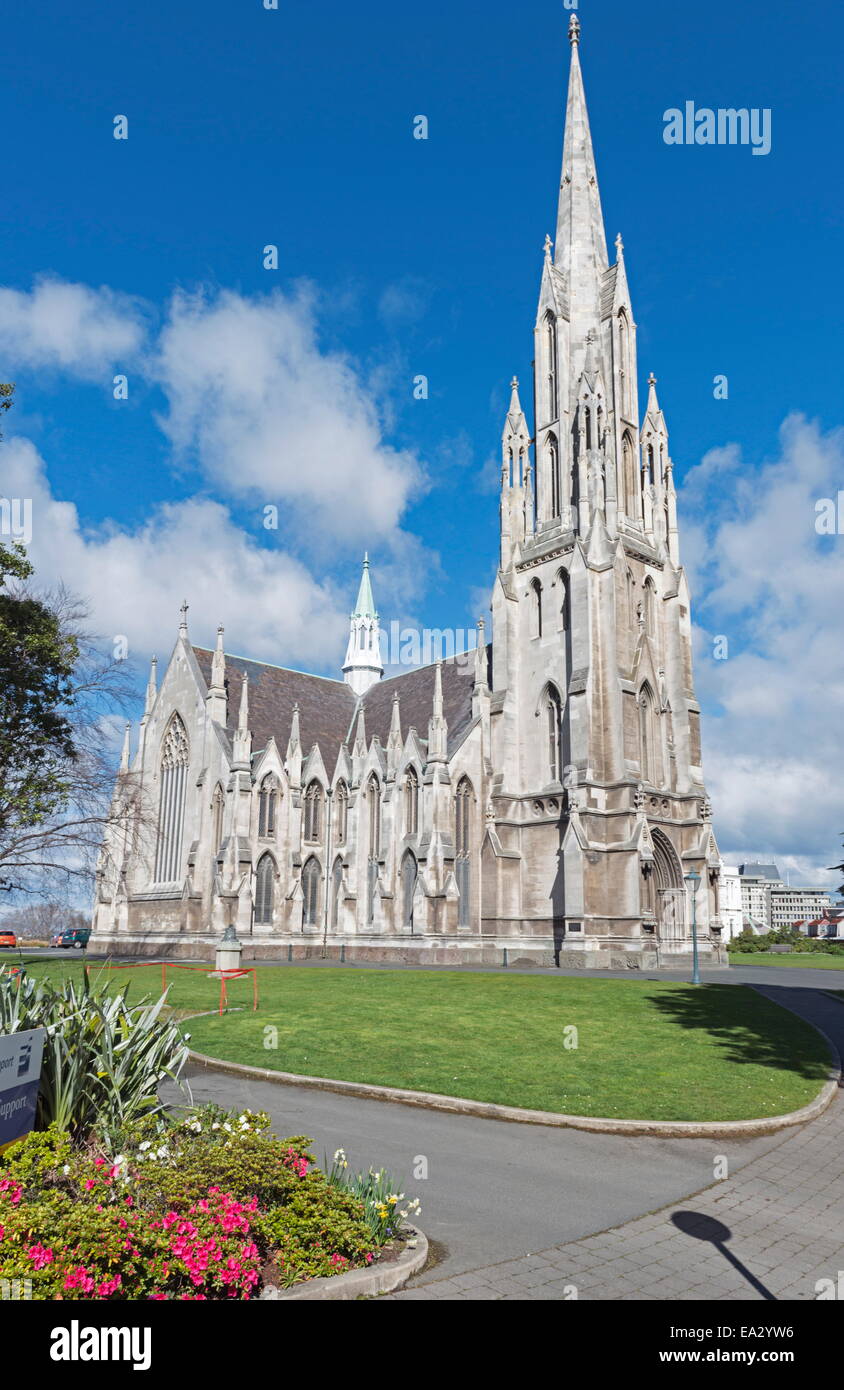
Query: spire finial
<point x="183" y="621"/>
<point x="549" y="246"/>
<point x="619" y="246"/>
<point x="574" y="31"/>
<point x="243" y="719"/>
<point x="652" y="380"/>
<point x="124" y="756"/>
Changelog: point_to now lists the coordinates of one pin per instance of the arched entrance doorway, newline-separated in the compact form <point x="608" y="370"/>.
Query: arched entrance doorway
<point x="670" y="889"/>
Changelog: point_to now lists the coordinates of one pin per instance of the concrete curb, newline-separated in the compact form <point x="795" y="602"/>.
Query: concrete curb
<point x="360" y="1283"/>
<point x="427" y="1100"/>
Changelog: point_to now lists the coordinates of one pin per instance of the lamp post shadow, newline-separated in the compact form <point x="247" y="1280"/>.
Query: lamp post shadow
<point x="706" y="1228"/>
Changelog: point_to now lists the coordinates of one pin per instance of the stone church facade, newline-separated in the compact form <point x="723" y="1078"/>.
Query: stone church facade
<point x="541" y="797"/>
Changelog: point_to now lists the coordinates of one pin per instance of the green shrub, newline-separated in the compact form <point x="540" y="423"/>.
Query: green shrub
<point x="190" y="1206"/>
<point x="104" y="1059"/>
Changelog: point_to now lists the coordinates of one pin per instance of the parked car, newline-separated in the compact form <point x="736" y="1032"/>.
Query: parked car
<point x="8" y="938"/>
<point x="77" y="937"/>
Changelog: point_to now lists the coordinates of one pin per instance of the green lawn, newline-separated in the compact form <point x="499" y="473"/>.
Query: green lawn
<point x="812" y="960"/>
<point x="645" y="1050"/>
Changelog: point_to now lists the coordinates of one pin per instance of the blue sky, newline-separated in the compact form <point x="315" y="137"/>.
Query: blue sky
<point x="400" y="257"/>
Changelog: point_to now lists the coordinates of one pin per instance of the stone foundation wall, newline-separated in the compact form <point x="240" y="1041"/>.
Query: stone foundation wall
<point x="508" y="951"/>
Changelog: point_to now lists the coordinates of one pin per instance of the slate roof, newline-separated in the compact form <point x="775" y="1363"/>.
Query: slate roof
<point x="328" y="708"/>
<point x="769" y="871"/>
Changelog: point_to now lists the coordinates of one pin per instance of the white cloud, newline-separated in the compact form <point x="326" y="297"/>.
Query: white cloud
<point x="267" y="413"/>
<point x="272" y="607"/>
<point x="765" y="580"/>
<point x="71" y="328"/>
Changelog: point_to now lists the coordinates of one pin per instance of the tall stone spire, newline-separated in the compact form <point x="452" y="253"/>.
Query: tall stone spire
<point x="242" y="742"/>
<point x="581" y="246"/>
<point x="363" y="666"/>
<point x="516" y="496"/>
<point x="293" y="756"/>
<point x="152" y="687"/>
<point x="215" y="701"/>
<point x="127" y="744"/>
<point x="437" y="725"/>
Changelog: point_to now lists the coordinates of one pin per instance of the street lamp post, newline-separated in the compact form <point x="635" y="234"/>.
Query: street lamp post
<point x="693" y="879"/>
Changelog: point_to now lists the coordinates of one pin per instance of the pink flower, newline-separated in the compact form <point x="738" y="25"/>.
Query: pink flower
<point x="109" y="1286"/>
<point x="79" y="1278"/>
<point x="40" y="1255"/>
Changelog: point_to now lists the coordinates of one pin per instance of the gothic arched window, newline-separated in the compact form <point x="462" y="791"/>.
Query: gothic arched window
<point x="649" y="754"/>
<point x="629" y="479"/>
<point x="264" y="890"/>
<point x="409" y="874"/>
<point x="624" y="362"/>
<point x="463" y="846"/>
<point x="373" y="797"/>
<point x="266" y="806"/>
<point x="313" y="813"/>
<point x="336" y="888"/>
<point x="311" y="892"/>
<point x="553" y="455"/>
<point x="650" y="607"/>
<point x="341" y="818"/>
<point x="411" y="802"/>
<point x="551" y="351"/>
<point x="536" y="609"/>
<point x="554" y="727"/>
<point x="218" y="806"/>
<point x="565" y="600"/>
<point x="175" y="755"/>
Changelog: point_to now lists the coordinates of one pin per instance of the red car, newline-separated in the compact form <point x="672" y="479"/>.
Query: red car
<point x="8" y="938"/>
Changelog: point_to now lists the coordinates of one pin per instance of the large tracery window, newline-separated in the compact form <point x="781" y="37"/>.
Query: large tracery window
<point x="341" y="818"/>
<point x="264" y="890"/>
<point x="266" y="806"/>
<point x="313" y="813"/>
<point x="175" y="756"/>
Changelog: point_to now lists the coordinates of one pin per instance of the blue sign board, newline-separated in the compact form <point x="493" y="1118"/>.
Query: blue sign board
<point x="20" y="1076"/>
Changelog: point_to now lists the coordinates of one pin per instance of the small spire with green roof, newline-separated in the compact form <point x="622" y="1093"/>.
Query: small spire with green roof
<point x="363" y="665"/>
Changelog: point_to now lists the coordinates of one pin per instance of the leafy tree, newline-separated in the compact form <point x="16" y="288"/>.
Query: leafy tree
<point x="57" y="701"/>
<point x="37" y="661"/>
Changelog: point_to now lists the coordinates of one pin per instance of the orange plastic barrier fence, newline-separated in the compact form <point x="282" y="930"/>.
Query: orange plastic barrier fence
<point x="221" y="975"/>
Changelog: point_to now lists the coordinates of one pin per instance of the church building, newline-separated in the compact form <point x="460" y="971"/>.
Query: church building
<point x="540" y="799"/>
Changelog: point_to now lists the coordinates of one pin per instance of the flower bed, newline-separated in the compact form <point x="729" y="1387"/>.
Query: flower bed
<point x="208" y="1205"/>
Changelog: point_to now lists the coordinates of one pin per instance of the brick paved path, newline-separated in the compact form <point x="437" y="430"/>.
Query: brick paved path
<point x="771" y="1232"/>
